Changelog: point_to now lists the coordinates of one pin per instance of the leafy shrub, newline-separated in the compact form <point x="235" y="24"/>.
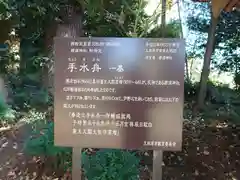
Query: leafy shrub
<point x="237" y="80"/>
<point x="190" y="90"/>
<point x="27" y="92"/>
<point x="109" y="164"/>
<point x="41" y="143"/>
<point x="7" y="115"/>
<point x="3" y="106"/>
<point x="215" y="94"/>
<point x="32" y="97"/>
<point x="104" y="165"/>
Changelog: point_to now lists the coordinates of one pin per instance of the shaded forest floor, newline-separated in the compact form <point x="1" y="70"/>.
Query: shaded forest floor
<point x="210" y="152"/>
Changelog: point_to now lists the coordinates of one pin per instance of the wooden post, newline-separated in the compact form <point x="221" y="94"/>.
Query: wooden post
<point x="157" y="165"/>
<point x="76" y="163"/>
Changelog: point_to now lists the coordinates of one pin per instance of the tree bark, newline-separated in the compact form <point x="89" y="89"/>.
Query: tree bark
<point x="181" y="36"/>
<point x="4" y="30"/>
<point x="71" y="27"/>
<point x="163" y="16"/>
<point x="207" y="61"/>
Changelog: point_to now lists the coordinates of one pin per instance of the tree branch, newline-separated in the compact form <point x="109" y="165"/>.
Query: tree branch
<point x="149" y="21"/>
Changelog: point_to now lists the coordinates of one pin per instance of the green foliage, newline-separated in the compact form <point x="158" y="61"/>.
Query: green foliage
<point x="228" y="112"/>
<point x="222" y="95"/>
<point x="114" y="18"/>
<point x="222" y="103"/>
<point x="231" y="56"/>
<point x="198" y="20"/>
<point x="111" y="164"/>
<point x="41" y="143"/>
<point x="172" y="30"/>
<point x="8" y="62"/>
<point x="31" y="97"/>
<point x="190" y="90"/>
<point x="3" y="8"/>
<point x="226" y="54"/>
<point x="104" y="165"/>
<point x="219" y="98"/>
<point x="228" y="27"/>
<point x="7" y="115"/>
<point x="3" y="105"/>
<point x="237" y="81"/>
<point x="28" y="91"/>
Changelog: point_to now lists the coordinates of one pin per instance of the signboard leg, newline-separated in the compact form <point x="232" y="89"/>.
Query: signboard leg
<point x="76" y="163"/>
<point x="157" y="165"/>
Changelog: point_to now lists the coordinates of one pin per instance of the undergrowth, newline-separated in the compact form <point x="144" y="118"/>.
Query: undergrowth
<point x="105" y="164"/>
<point x="7" y="114"/>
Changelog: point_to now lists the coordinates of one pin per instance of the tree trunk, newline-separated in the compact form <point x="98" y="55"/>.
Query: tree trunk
<point x="71" y="27"/>
<point x="163" y="16"/>
<point x="181" y="36"/>
<point x="4" y="30"/>
<point x="23" y="54"/>
<point x="207" y="62"/>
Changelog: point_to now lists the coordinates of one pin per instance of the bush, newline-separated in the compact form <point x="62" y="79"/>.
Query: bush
<point x="7" y="115"/>
<point x="3" y="106"/>
<point x="27" y="92"/>
<point x="111" y="164"/>
<point x="190" y="90"/>
<point x="41" y="143"/>
<point x="106" y="164"/>
<point x="237" y="80"/>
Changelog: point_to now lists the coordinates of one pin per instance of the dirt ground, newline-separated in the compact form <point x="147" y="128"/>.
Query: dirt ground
<point x="209" y="153"/>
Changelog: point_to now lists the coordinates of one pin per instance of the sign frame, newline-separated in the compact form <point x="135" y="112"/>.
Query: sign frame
<point x="158" y="153"/>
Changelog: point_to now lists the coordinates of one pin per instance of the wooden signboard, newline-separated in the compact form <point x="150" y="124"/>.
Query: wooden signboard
<point x="122" y="93"/>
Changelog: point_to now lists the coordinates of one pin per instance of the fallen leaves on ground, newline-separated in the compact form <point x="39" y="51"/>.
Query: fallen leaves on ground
<point x="210" y="152"/>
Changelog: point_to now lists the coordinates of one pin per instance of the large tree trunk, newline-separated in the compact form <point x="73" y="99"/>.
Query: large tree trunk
<point x="71" y="27"/>
<point x="4" y="30"/>
<point x="207" y="61"/>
